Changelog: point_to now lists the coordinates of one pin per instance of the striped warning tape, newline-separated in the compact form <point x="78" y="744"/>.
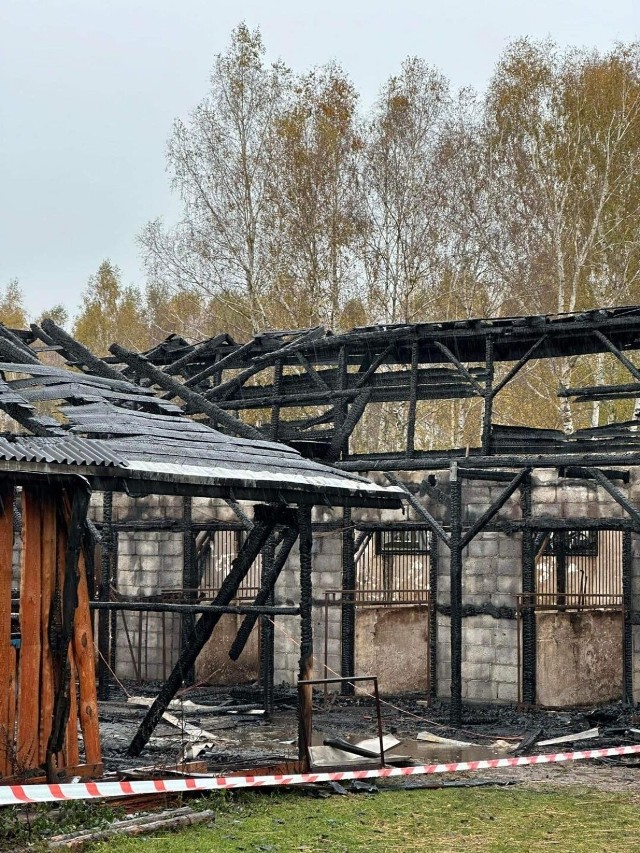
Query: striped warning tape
<point x="13" y="795"/>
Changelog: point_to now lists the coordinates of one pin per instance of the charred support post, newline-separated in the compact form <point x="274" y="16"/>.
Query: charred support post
<point x="272" y="565"/>
<point x="456" y="595"/>
<point x="348" y="626"/>
<point x="267" y="634"/>
<point x="266" y="518"/>
<point x="627" y="628"/>
<point x="413" y="400"/>
<point x="433" y="616"/>
<point x="190" y="580"/>
<point x="104" y="620"/>
<point x="488" y="397"/>
<point x="275" y="409"/>
<point x="306" y="629"/>
<point x="528" y="589"/>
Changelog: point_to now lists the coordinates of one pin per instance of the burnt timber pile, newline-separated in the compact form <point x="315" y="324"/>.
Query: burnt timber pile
<point x="512" y="566"/>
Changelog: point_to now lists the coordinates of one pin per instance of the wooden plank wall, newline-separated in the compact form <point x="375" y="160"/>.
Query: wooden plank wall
<point x="30" y="680"/>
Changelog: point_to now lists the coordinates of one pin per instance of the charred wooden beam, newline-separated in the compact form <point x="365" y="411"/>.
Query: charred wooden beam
<point x="602" y="392"/>
<point x="264" y="523"/>
<point x="462" y="369"/>
<point x="228" y="361"/>
<point x="417" y="506"/>
<point x="622" y="358"/>
<point x="495" y="507"/>
<point x="312" y="373"/>
<point x="340" y="438"/>
<point x="267" y="586"/>
<point x="195" y="401"/>
<point x="617" y="495"/>
<point x="518" y="366"/>
<point x="574" y="473"/>
<point x="78" y="353"/>
<point x="175" y="607"/>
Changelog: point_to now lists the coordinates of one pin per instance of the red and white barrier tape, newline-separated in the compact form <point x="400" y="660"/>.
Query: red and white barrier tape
<point x="15" y="795"/>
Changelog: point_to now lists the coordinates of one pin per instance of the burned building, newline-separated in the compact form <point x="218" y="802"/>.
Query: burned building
<point x="509" y="574"/>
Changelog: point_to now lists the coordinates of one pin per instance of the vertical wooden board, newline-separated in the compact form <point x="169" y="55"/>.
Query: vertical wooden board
<point x="11" y="717"/>
<point x="48" y="565"/>
<point x="71" y="750"/>
<point x="85" y="661"/>
<point x="6" y="672"/>
<point x="30" y="643"/>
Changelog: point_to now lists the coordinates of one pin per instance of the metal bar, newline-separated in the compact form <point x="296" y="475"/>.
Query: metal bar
<point x="169" y="607"/>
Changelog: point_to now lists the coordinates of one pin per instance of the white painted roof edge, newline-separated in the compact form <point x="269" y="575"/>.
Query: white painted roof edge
<point x="218" y="472"/>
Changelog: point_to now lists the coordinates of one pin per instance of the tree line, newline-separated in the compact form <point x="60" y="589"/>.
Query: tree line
<point x="302" y="206"/>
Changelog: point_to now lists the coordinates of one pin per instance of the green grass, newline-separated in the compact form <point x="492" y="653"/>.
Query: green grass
<point x="442" y="821"/>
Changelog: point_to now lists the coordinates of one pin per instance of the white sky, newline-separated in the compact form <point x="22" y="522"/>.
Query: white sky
<point x="89" y="89"/>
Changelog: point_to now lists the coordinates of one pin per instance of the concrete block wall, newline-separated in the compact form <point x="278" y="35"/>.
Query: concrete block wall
<point x="491" y="575"/>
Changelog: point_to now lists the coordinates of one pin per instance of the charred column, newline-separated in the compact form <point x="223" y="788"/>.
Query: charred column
<point x="348" y="626"/>
<point x="267" y="634"/>
<point x="306" y="627"/>
<point x="528" y="590"/>
<point x="433" y="615"/>
<point x="456" y="596"/>
<point x="190" y="579"/>
<point x="488" y="397"/>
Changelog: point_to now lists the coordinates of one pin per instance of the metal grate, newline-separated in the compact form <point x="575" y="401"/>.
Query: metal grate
<point x="219" y="551"/>
<point x="581" y="567"/>
<point x="393" y="565"/>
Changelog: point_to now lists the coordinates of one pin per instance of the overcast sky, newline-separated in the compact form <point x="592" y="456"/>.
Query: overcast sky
<point x="89" y="89"/>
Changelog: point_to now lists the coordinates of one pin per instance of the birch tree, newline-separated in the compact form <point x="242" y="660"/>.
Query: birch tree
<point x="404" y="193"/>
<point x="220" y="161"/>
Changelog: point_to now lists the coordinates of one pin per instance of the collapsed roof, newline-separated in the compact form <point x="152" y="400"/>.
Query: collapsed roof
<point x="124" y="437"/>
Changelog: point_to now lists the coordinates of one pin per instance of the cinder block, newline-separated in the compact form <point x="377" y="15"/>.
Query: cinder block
<point x="147" y="548"/>
<point x="477" y="636"/>
<point x="507" y="692"/>
<point x="477" y="671"/>
<point x="505" y="674"/>
<point x="508" y="585"/>
<point x="545" y="495"/>
<point x="478" y="654"/>
<point x="482" y="691"/>
<point x="510" y="546"/>
<point x="506" y="656"/>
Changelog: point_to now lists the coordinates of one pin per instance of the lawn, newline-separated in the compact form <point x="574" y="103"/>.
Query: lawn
<point x="439" y="821"/>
